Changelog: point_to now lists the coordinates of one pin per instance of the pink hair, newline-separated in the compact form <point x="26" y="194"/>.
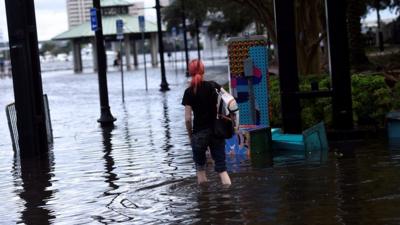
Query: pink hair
<point x="196" y="70"/>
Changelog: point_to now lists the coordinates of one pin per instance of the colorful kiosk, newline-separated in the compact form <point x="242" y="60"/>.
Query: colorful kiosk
<point x="249" y="78"/>
<point x="249" y="84"/>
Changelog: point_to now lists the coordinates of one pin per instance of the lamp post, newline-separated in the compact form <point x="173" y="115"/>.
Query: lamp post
<point x="27" y="79"/>
<point x="106" y="118"/>
<point x="164" y="84"/>
<point x="198" y="39"/>
<point x="185" y="37"/>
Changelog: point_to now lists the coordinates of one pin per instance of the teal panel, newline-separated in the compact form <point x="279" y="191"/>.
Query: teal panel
<point x="295" y="146"/>
<point x="244" y="113"/>
<point x="259" y="55"/>
<point x="393" y="124"/>
<point x="276" y="130"/>
<point x="287" y="137"/>
<point x="316" y="143"/>
<point x="287" y="141"/>
<point x="393" y="127"/>
<point x="315" y="138"/>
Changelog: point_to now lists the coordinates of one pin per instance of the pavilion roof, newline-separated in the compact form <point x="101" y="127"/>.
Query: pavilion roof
<point x="131" y="26"/>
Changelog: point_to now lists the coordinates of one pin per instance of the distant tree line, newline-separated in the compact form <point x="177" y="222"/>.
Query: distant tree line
<point x="55" y="47"/>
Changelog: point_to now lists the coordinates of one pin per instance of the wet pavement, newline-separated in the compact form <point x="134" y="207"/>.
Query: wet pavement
<point x="141" y="171"/>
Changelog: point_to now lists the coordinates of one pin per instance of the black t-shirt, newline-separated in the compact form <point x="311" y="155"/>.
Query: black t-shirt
<point x="203" y="104"/>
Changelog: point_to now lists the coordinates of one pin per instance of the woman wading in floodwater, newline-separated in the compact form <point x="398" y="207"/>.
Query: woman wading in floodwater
<point x="201" y="99"/>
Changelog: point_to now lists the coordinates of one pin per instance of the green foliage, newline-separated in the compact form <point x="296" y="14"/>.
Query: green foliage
<point x="55" y="47"/>
<point x="194" y="10"/>
<point x="313" y="110"/>
<point x="372" y="100"/>
<point x="47" y="47"/>
<point x="317" y="109"/>
<point x="275" y="102"/>
<point x="223" y="16"/>
<point x="230" y="18"/>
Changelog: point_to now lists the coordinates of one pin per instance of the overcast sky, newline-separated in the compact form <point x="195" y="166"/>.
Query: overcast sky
<point x="51" y="17"/>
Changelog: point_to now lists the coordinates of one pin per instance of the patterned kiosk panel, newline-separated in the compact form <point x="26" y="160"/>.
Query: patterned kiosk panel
<point x="240" y="49"/>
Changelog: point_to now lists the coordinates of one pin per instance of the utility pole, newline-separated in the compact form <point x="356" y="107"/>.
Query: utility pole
<point x="164" y="83"/>
<point x="185" y="37"/>
<point x="27" y="79"/>
<point x="106" y="118"/>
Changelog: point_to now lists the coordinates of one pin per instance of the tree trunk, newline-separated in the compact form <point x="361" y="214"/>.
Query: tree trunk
<point x="358" y="58"/>
<point x="309" y="23"/>
<point x="309" y="31"/>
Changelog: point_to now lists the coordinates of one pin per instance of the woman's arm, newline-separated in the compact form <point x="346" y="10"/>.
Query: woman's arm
<point x="188" y="120"/>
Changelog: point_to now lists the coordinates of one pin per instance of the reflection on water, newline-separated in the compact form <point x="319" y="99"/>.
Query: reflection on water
<point x="167" y="135"/>
<point x="35" y="175"/>
<point x="141" y="170"/>
<point x="109" y="163"/>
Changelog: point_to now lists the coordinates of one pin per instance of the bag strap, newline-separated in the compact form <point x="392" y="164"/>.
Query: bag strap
<point x="219" y="105"/>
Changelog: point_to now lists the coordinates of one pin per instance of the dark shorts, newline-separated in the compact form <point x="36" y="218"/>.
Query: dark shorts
<point x="203" y="139"/>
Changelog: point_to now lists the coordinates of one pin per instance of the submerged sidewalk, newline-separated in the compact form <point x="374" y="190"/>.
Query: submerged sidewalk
<point x="218" y="74"/>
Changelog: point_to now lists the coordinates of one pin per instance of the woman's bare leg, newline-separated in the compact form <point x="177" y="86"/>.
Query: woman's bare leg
<point x="225" y="180"/>
<point x="201" y="177"/>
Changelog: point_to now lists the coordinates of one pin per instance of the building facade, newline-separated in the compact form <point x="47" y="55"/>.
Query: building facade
<point x="78" y="11"/>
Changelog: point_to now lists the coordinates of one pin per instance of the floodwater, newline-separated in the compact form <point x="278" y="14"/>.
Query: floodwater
<point x="141" y="171"/>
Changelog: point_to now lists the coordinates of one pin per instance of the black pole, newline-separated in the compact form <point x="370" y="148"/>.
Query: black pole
<point x="27" y="78"/>
<point x="185" y="37"/>
<point x="212" y="51"/>
<point x="378" y="21"/>
<point x="288" y="71"/>
<point x="164" y="83"/>
<point x="339" y="64"/>
<point x="144" y="62"/>
<point x="198" y="39"/>
<point x="106" y="118"/>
